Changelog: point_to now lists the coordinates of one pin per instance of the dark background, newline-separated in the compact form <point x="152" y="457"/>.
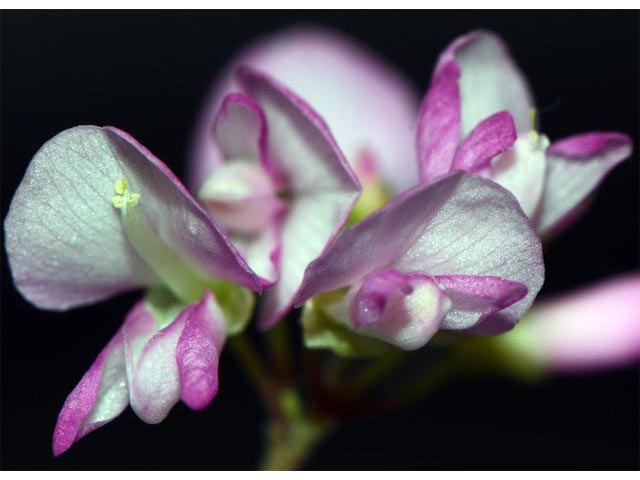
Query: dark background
<point x="147" y="73"/>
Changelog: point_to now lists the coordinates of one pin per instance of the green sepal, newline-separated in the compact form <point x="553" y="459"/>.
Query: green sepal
<point x="163" y="305"/>
<point x="236" y="302"/>
<point x="323" y="330"/>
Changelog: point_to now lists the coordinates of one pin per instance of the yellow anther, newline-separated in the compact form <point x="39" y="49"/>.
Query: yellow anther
<point x="123" y="197"/>
<point x="120" y="186"/>
<point x="534" y="135"/>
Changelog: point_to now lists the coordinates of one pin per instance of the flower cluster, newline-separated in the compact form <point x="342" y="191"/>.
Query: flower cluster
<point x="318" y="180"/>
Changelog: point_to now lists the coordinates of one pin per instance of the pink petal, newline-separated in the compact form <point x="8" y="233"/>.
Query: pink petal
<point x="100" y="396"/>
<point x="439" y="123"/>
<point x="575" y="167"/>
<point x="198" y="351"/>
<point x="241" y="132"/>
<point x="458" y="225"/>
<point x="64" y="238"/>
<point x="490" y="80"/>
<point x="241" y="192"/>
<point x="475" y="299"/>
<point x="322" y="186"/>
<point x="489" y="138"/>
<point x="589" y="329"/>
<point x="368" y="104"/>
<point x="403" y="309"/>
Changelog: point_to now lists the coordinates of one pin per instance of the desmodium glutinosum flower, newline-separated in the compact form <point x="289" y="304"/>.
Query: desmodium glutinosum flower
<point x="456" y="254"/>
<point x="370" y="107"/>
<point x="593" y="328"/>
<point x="281" y="188"/>
<point x="97" y="214"/>
<point x="464" y="125"/>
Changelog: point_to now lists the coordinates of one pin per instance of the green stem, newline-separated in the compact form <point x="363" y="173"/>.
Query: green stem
<point x="281" y="350"/>
<point x="289" y="445"/>
<point x="253" y="366"/>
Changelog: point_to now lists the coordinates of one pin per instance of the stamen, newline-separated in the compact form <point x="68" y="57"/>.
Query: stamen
<point x="124" y="198"/>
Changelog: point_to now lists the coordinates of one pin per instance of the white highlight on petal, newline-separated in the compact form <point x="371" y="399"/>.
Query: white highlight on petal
<point x="522" y="169"/>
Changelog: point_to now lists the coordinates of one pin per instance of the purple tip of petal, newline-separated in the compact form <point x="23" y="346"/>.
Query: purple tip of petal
<point x="489" y="138"/>
<point x="438" y="130"/>
<point x="198" y="351"/>
<point x="78" y="416"/>
<point x="490" y="80"/>
<point x="575" y="167"/>
<point x="587" y="145"/>
<point x="475" y="299"/>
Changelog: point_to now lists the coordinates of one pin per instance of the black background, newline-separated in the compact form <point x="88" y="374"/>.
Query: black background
<point x="147" y="72"/>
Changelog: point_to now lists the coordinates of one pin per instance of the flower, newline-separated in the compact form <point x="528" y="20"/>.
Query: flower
<point x="282" y="188"/>
<point x="592" y="328"/>
<point x="97" y="214"/>
<point x="464" y="125"/>
<point x="370" y="107"/>
<point x="456" y="254"/>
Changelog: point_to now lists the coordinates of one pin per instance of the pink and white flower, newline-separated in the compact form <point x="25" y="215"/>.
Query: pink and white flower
<point x="478" y="105"/>
<point x="282" y="188"/>
<point x="457" y="254"/>
<point x="97" y="214"/>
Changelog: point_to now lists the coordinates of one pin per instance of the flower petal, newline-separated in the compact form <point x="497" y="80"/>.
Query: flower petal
<point x="490" y="80"/>
<point x="489" y="138"/>
<point x="593" y="328"/>
<point x="404" y="309"/>
<point x="458" y="225"/>
<point x="575" y="167"/>
<point x="476" y="298"/>
<point x="322" y="186"/>
<point x="522" y="170"/>
<point x="198" y="351"/>
<point x="155" y="384"/>
<point x="138" y="328"/>
<point x="439" y="123"/>
<point x="241" y="192"/>
<point x="240" y="129"/>
<point x="368" y="104"/>
<point x="64" y="239"/>
<point x="100" y="396"/>
<point x="176" y="217"/>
